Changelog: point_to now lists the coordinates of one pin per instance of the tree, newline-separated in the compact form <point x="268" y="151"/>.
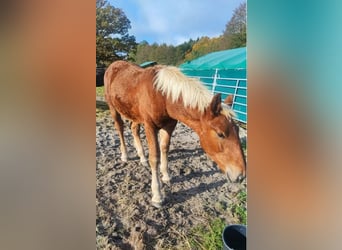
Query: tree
<point x="203" y="46"/>
<point x="162" y="53"/>
<point x="112" y="39"/>
<point x="235" y="33"/>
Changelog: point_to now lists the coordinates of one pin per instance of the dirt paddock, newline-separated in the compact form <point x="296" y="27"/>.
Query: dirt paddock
<point x="198" y="193"/>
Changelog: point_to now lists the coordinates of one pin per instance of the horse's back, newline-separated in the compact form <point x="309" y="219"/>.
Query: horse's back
<point x="127" y="88"/>
<point x="119" y="72"/>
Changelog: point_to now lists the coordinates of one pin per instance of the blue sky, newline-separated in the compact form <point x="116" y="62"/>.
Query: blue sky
<point x="176" y="21"/>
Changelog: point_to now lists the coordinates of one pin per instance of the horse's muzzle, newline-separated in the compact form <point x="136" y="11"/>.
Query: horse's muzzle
<point x="238" y="179"/>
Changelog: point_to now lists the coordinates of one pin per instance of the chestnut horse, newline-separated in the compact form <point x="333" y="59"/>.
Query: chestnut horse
<point x="158" y="97"/>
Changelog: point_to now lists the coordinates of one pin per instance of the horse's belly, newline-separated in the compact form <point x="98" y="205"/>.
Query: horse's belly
<point x="128" y="111"/>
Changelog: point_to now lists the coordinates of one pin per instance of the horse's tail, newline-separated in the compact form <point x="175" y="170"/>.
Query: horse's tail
<point x="106" y="82"/>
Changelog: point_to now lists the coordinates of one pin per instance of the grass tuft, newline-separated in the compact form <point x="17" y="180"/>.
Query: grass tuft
<point x="100" y="91"/>
<point x="239" y="208"/>
<point x="207" y="237"/>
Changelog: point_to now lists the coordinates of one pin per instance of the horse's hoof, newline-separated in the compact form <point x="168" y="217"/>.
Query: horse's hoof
<point x="144" y="163"/>
<point x="167" y="182"/>
<point x="157" y="204"/>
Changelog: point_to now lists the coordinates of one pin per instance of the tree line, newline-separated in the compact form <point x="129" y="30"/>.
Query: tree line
<point x="113" y="41"/>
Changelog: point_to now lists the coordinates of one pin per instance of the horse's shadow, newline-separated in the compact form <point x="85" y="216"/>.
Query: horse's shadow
<point x="101" y="104"/>
<point x="181" y="196"/>
<point x="182" y="153"/>
<point x="175" y="154"/>
<point x="183" y="178"/>
<point x="186" y="194"/>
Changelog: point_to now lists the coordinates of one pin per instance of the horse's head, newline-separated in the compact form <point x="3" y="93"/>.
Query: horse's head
<point x="219" y="138"/>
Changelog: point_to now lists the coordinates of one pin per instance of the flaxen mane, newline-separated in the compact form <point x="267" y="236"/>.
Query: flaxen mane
<point x="174" y="84"/>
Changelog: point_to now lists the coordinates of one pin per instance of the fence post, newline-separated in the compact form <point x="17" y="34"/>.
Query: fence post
<point x="235" y="91"/>
<point x="214" y="83"/>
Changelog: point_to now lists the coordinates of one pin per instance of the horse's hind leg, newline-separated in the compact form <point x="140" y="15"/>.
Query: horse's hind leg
<point x="119" y="126"/>
<point x="135" y="127"/>
<point x="165" y="137"/>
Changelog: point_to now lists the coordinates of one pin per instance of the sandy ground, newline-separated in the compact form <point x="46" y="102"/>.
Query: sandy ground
<point x="198" y="193"/>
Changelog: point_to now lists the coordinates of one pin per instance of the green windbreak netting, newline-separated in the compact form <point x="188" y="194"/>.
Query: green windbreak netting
<point x="228" y="73"/>
<point x="226" y="59"/>
<point x="223" y="72"/>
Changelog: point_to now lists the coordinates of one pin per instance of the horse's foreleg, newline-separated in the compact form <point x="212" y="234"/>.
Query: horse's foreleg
<point x="152" y="140"/>
<point x="119" y="126"/>
<point x="165" y="137"/>
<point x="135" y="127"/>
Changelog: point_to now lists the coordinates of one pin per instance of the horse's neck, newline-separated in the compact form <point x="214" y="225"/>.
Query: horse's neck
<point x="190" y="117"/>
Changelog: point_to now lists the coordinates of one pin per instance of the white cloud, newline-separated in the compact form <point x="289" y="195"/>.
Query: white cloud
<point x="174" y="22"/>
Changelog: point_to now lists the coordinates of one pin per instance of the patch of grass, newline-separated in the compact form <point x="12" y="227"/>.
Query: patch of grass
<point x="102" y="111"/>
<point x="239" y="208"/>
<point x="207" y="237"/>
<point x="100" y="91"/>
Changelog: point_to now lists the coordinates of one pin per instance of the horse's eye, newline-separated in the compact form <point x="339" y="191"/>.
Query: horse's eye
<point x="221" y="135"/>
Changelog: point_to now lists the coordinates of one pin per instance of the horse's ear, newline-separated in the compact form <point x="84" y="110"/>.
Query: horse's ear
<point x="229" y="100"/>
<point x="215" y="105"/>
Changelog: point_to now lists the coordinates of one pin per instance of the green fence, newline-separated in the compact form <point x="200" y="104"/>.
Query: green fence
<point x="226" y="82"/>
